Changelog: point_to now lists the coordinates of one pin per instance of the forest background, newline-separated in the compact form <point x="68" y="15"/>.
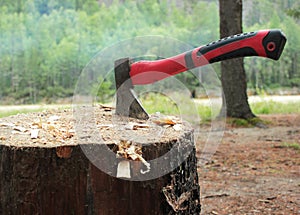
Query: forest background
<point x="45" y="45"/>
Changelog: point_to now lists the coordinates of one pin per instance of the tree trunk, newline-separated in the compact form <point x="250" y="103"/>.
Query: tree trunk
<point x="47" y="176"/>
<point x="233" y="74"/>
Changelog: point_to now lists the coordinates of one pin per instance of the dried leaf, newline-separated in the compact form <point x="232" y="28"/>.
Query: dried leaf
<point x="165" y="121"/>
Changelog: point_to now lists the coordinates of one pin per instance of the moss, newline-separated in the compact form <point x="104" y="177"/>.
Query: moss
<point x="248" y="123"/>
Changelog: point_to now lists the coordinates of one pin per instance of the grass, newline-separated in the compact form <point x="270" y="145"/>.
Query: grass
<point x="28" y="109"/>
<point x="154" y="102"/>
<point x="19" y="111"/>
<point x="295" y="146"/>
<point x="272" y="107"/>
<point x="159" y="103"/>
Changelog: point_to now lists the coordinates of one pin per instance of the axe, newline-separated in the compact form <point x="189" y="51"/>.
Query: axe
<point x="264" y="43"/>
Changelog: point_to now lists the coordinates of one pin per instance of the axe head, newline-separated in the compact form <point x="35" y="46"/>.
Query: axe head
<point x="127" y="103"/>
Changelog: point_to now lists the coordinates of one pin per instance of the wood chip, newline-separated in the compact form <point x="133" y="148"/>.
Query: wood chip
<point x="38" y="124"/>
<point x="53" y="118"/>
<point x="34" y="133"/>
<point x="123" y="170"/>
<point x="177" y="127"/>
<point x="106" y="108"/>
<point x="7" y="124"/>
<point x="264" y="200"/>
<point x="19" y="128"/>
<point x="136" y="126"/>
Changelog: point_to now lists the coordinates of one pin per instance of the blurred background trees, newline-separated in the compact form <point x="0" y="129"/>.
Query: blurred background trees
<point x="45" y="44"/>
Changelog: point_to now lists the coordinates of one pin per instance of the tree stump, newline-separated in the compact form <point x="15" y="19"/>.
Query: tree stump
<point x="45" y="170"/>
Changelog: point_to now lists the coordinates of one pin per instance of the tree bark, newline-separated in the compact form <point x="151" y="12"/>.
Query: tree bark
<point x="233" y="74"/>
<point x="60" y="179"/>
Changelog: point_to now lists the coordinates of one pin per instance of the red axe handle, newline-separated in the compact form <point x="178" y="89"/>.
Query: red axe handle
<point x="264" y="43"/>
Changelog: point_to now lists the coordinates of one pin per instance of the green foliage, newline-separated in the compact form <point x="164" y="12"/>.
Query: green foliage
<point x="294" y="12"/>
<point x="103" y="90"/>
<point x="264" y="73"/>
<point x="44" y="45"/>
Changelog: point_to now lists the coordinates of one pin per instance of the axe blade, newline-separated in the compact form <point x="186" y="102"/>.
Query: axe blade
<point x="127" y="103"/>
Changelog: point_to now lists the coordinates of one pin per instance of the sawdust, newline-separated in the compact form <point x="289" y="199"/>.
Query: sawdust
<point x="55" y="128"/>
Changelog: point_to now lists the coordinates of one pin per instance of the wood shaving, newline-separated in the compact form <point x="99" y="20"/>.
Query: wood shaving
<point x="128" y="150"/>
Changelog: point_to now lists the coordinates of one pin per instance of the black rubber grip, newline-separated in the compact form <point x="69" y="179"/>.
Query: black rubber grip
<point x="274" y="44"/>
<point x="235" y="54"/>
<point x="222" y="42"/>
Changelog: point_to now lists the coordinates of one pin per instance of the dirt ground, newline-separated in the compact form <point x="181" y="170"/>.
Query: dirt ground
<point x="254" y="170"/>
